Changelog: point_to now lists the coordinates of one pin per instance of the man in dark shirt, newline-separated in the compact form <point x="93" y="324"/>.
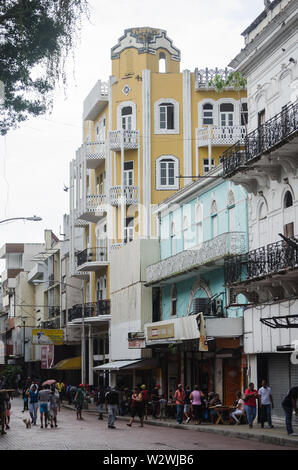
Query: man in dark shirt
<point x="289" y="404"/>
<point x="112" y="400"/>
<point x="3" y="398"/>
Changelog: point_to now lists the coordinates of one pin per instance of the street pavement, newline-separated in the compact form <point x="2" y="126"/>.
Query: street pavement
<point x="92" y="434"/>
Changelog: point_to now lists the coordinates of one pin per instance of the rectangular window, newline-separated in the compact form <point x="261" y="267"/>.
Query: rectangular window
<point x="128" y="174"/>
<point x="166" y="116"/>
<point x="167" y="173"/>
<point x="206" y="165"/>
<point x="128" y="229"/>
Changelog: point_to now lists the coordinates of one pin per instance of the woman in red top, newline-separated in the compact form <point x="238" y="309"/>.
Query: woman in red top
<point x="251" y="403"/>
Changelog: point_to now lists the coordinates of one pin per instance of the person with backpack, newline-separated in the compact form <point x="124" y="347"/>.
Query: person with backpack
<point x="112" y="400"/>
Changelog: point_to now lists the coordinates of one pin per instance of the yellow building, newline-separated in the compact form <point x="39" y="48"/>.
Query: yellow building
<point x="149" y="125"/>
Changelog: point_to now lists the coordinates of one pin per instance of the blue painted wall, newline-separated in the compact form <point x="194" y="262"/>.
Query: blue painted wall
<point x="186" y="237"/>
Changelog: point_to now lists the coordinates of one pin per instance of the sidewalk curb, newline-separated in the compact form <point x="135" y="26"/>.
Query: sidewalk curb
<point x="276" y="440"/>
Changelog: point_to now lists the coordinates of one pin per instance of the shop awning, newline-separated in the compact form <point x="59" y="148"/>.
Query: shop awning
<point x="116" y="365"/>
<point x="74" y="363"/>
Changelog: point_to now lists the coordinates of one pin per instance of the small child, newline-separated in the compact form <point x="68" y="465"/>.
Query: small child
<point x="162" y="407"/>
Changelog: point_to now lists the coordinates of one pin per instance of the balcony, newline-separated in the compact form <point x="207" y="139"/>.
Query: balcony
<point x="276" y="259"/>
<point x="92" y="259"/>
<point x="95" y="154"/>
<point x="277" y="137"/>
<point x="52" y="324"/>
<point x="204" y="77"/>
<point x="92" y="208"/>
<point x="84" y="275"/>
<point x="128" y="140"/>
<point x="130" y="195"/>
<point x="101" y="308"/>
<point x="96" y="101"/>
<point x="220" y="135"/>
<point x="208" y="256"/>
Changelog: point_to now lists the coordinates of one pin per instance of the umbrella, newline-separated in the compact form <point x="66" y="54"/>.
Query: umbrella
<point x="49" y="382"/>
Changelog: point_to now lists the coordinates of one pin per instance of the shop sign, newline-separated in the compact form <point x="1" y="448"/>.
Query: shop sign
<point x="161" y="331"/>
<point x="136" y="343"/>
<point x="43" y="337"/>
<point x="47" y="356"/>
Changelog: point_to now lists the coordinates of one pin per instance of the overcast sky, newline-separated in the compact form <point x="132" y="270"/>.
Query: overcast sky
<point x="34" y="160"/>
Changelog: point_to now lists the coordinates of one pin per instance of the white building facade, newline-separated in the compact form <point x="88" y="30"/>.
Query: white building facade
<point x="267" y="167"/>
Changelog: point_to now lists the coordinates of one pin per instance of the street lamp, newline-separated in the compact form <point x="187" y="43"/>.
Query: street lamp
<point x="83" y="348"/>
<point x="35" y="218"/>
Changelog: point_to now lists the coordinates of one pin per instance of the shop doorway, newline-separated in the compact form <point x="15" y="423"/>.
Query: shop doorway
<point x="232" y="380"/>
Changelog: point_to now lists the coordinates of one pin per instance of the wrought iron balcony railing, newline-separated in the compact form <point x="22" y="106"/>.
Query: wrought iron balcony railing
<point x="91" y="309"/>
<point x="91" y="255"/>
<point x="262" y="140"/>
<point x="267" y="260"/>
<point x="52" y="324"/>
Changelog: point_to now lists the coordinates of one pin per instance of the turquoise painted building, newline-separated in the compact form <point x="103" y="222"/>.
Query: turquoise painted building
<point x="199" y="227"/>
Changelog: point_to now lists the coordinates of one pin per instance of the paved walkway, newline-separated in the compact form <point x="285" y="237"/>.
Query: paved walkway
<point x="92" y="434"/>
<point x="277" y="436"/>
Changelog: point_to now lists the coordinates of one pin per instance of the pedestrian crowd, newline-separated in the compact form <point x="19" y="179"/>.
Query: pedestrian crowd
<point x="185" y="404"/>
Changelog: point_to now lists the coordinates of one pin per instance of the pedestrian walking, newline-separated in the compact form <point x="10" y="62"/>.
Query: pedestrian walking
<point x="196" y="401"/>
<point x="100" y="398"/>
<point x="187" y="404"/>
<point x="112" y="400"/>
<point x="137" y="407"/>
<point x="3" y="398"/>
<point x="155" y="400"/>
<point x="33" y="404"/>
<point x="162" y="407"/>
<point x="60" y="388"/>
<point x="79" y="400"/>
<point x="44" y="397"/>
<point x="265" y="404"/>
<point x="54" y="400"/>
<point x="250" y="400"/>
<point x="26" y="390"/>
<point x="145" y="398"/>
<point x="289" y="405"/>
<point x="179" y="400"/>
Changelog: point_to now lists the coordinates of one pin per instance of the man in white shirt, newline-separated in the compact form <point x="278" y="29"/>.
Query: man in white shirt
<point x="265" y="403"/>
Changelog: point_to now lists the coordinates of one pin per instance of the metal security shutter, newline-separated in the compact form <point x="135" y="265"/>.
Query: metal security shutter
<point x="278" y="371"/>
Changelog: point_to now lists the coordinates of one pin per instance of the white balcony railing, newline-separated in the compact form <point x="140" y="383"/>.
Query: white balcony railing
<point x="96" y="203"/>
<point x="209" y="251"/>
<point x="96" y="100"/>
<point x="204" y="77"/>
<point x="95" y="153"/>
<point x="220" y="135"/>
<point x="130" y="195"/>
<point x="129" y="140"/>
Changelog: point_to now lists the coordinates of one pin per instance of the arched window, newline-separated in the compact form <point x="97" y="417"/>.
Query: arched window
<point x="174" y="300"/>
<point x="288" y="200"/>
<point x="173" y="237"/>
<point x="126" y="118"/>
<point x="167" y="171"/>
<point x="214" y="224"/>
<point x="226" y="114"/>
<point x="231" y="211"/>
<point x="207" y="113"/>
<point x="166" y="116"/>
<point x="199" y="223"/>
<point x="162" y="63"/>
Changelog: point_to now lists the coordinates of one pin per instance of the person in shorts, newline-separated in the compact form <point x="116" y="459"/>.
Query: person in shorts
<point x="137" y="407"/>
<point x="44" y="397"/>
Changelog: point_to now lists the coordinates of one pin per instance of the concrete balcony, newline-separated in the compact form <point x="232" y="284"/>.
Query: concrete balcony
<point x="96" y="101"/>
<point x="37" y="272"/>
<point x="220" y="135"/>
<point x="84" y="275"/>
<point x="207" y="257"/>
<point x="92" y="208"/>
<point x="92" y="259"/>
<point x="130" y="195"/>
<point x="128" y="140"/>
<point x="95" y="153"/>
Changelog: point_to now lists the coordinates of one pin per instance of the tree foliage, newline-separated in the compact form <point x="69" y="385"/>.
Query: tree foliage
<point x="36" y="37"/>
